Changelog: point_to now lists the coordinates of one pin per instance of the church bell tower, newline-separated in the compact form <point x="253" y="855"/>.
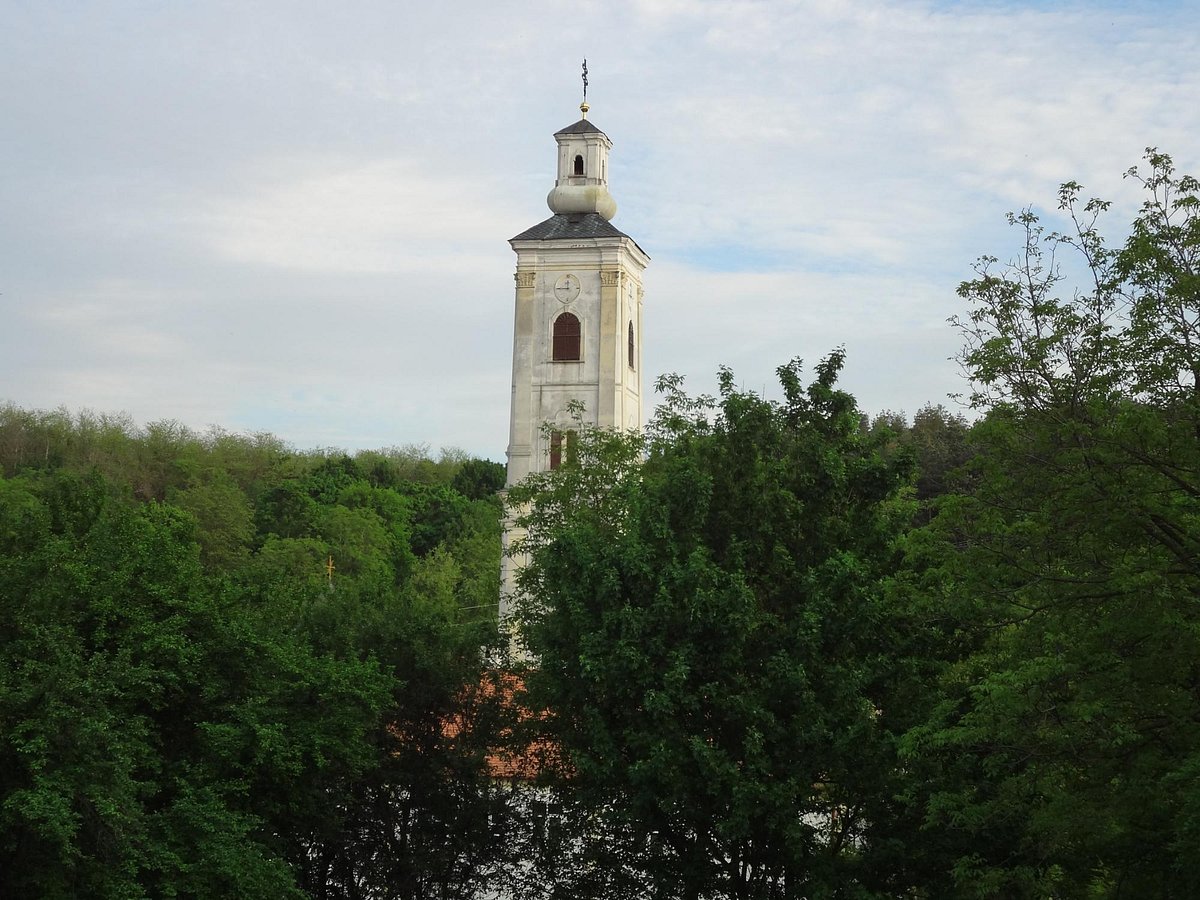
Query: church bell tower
<point x="577" y="334"/>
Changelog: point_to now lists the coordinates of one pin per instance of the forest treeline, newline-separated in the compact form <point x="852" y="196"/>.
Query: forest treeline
<point x="195" y="703"/>
<point x="775" y="648"/>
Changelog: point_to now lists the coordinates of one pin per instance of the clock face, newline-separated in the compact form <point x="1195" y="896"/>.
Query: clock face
<point x="566" y="288"/>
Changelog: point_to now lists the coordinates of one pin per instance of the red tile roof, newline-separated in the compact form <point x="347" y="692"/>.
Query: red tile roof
<point x="520" y="763"/>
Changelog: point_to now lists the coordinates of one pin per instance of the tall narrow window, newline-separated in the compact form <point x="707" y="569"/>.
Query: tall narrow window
<point x="560" y="441"/>
<point x="631" y="356"/>
<point x="566" y="338"/>
<point x="578" y="165"/>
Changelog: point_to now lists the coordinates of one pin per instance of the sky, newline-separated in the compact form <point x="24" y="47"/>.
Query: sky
<point x="292" y="217"/>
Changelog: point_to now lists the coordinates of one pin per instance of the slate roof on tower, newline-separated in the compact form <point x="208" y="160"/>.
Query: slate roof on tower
<point x="583" y="126"/>
<point x="562" y="227"/>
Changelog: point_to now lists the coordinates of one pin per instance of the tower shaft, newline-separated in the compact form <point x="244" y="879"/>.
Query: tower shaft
<point x="577" y="327"/>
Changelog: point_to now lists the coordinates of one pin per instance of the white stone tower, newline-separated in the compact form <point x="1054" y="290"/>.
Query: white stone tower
<point x="578" y="328"/>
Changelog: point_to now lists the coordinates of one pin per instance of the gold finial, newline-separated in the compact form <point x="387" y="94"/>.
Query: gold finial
<point x="583" y="107"/>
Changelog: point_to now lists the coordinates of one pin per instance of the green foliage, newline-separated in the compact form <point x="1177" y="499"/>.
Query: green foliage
<point x="1061" y="759"/>
<point x="145" y="729"/>
<point x="425" y="820"/>
<point x="938" y="440"/>
<point x="437" y="515"/>
<point x="478" y="479"/>
<point x="707" y="629"/>
<point x="192" y="704"/>
<point x="224" y="521"/>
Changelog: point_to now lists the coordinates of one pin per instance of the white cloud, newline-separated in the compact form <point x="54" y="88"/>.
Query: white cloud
<point x="367" y="218"/>
<point x="294" y="218"/>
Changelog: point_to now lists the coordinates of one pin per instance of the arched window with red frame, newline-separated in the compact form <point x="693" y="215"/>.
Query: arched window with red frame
<point x="567" y="338"/>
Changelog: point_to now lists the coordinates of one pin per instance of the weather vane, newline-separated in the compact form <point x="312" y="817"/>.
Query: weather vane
<point x="583" y="107"/>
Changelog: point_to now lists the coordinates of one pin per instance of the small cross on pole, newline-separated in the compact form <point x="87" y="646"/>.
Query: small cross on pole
<point x="583" y="107"/>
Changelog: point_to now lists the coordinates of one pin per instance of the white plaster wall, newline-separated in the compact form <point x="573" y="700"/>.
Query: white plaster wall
<point x="551" y="385"/>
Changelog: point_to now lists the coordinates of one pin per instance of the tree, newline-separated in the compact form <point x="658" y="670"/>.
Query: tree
<point x="191" y="703"/>
<point x="174" y="728"/>
<point x="478" y="479"/>
<point x="708" y="644"/>
<point x="1063" y="753"/>
<point x="152" y="741"/>
<point x="224" y="520"/>
<point x="938" y="440"/>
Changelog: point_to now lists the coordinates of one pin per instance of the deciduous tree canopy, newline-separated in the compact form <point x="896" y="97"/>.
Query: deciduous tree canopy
<point x="707" y="625"/>
<point x="1066" y="738"/>
<point x="225" y="668"/>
